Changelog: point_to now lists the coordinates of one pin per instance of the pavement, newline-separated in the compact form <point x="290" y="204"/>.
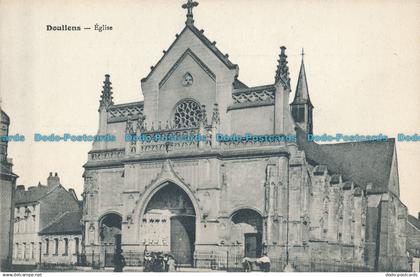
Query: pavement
<point x="33" y="268"/>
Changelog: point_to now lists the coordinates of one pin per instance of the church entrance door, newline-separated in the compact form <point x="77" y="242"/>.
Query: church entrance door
<point x="168" y="224"/>
<point x="248" y="227"/>
<point x="182" y="239"/>
<point x="110" y="237"/>
<point x="253" y="244"/>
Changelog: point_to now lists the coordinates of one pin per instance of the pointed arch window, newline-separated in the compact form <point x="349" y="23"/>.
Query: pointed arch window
<point x="298" y="113"/>
<point x="187" y="114"/>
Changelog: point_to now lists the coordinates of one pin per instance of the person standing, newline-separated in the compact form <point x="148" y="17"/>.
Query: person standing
<point x="119" y="261"/>
<point x="264" y="263"/>
<point x="147" y="262"/>
<point x="171" y="264"/>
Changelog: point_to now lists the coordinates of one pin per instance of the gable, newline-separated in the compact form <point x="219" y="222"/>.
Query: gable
<point x="190" y="35"/>
<point x="188" y="54"/>
<point x="55" y="203"/>
<point x="189" y="78"/>
<point x="191" y="53"/>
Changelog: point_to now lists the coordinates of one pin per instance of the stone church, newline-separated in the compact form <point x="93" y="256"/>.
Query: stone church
<point x="210" y="203"/>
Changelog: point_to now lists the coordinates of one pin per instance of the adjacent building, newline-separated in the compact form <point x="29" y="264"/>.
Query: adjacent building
<point x="413" y="242"/>
<point x="62" y="239"/>
<point x="7" y="188"/>
<point x="39" y="212"/>
<point x="212" y="201"/>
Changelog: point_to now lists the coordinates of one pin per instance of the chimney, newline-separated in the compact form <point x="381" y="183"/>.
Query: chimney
<point x="73" y="193"/>
<point x="53" y="181"/>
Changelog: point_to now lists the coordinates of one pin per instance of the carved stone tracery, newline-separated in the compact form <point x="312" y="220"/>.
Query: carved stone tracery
<point x="126" y="110"/>
<point x="251" y="96"/>
<point x="188" y="113"/>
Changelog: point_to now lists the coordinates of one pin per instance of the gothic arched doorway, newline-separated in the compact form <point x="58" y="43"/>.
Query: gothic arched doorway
<point x="168" y="224"/>
<point x="248" y="229"/>
<point x="110" y="236"/>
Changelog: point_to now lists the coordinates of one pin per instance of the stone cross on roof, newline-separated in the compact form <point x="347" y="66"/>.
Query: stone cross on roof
<point x="190" y="5"/>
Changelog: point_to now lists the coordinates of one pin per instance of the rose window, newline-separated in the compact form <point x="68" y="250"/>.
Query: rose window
<point x="187" y="114"/>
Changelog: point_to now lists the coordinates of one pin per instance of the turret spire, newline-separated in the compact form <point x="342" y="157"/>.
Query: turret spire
<point x="189" y="6"/>
<point x="106" y="96"/>
<point x="301" y="106"/>
<point x="282" y="72"/>
<point x="302" y="92"/>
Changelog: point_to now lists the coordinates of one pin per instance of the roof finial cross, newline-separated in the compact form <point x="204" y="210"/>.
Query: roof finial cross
<point x="190" y="5"/>
<point x="303" y="54"/>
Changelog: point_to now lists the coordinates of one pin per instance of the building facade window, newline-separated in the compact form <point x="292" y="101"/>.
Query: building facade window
<point x="55" y="246"/>
<point x="33" y="223"/>
<point x="298" y="113"/>
<point x="187" y="114"/>
<point x="19" y="251"/>
<point x="32" y="250"/>
<point x="39" y="251"/>
<point x="25" y="251"/>
<point x="15" y="251"/>
<point x="66" y="247"/>
<point x="76" y="245"/>
<point x="17" y="224"/>
<point x="47" y="246"/>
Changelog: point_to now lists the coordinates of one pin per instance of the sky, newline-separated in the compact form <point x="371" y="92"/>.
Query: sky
<point x="362" y="60"/>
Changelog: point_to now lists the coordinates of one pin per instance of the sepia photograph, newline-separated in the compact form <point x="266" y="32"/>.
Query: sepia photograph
<point x="209" y="136"/>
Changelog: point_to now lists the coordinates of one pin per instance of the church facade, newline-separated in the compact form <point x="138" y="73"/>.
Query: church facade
<point x="211" y="202"/>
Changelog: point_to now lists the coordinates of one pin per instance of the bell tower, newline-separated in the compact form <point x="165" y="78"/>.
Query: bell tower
<point x="301" y="106"/>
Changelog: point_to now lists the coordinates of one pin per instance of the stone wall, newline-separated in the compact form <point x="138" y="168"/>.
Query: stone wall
<point x="7" y="188"/>
<point x="255" y="120"/>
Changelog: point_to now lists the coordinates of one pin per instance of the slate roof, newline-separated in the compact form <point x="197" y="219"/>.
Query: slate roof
<point x="302" y="91"/>
<point x="4" y="117"/>
<point x="224" y="58"/>
<point x="67" y="223"/>
<point x="199" y="33"/>
<point x="414" y="221"/>
<point x="33" y="194"/>
<point x="361" y="162"/>
<point x="237" y="84"/>
<point x="6" y="169"/>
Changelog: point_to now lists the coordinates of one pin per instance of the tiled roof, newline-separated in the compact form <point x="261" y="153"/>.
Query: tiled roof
<point x="67" y="223"/>
<point x="414" y="221"/>
<point x="361" y="162"/>
<point x="33" y="194"/>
